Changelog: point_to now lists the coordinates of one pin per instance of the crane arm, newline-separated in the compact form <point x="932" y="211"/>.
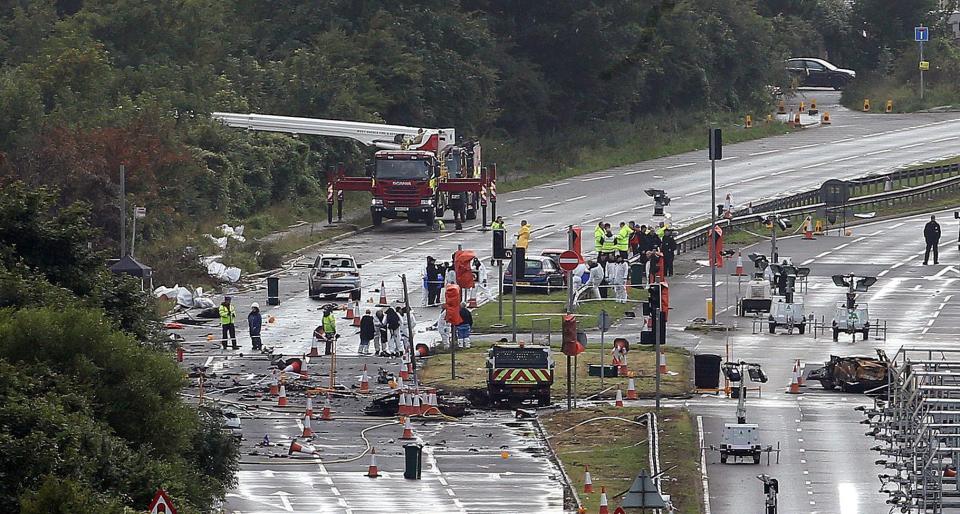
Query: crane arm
<point x="387" y="137"/>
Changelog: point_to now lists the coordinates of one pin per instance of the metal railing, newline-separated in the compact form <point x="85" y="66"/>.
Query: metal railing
<point x="946" y="179"/>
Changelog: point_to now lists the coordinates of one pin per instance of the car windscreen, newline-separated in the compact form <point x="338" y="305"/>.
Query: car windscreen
<point x="337" y="263"/>
<point x="532" y="267"/>
<point x="415" y="169"/>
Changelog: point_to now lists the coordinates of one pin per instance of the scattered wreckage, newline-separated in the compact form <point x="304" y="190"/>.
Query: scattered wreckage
<point x="854" y="374"/>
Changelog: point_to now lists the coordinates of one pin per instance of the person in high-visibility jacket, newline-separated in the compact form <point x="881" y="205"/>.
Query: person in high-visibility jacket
<point x="623" y="240"/>
<point x="329" y="329"/>
<point x="608" y="247"/>
<point x="497" y="224"/>
<point x="228" y="315"/>
<point x="598" y="234"/>
<point x="523" y="241"/>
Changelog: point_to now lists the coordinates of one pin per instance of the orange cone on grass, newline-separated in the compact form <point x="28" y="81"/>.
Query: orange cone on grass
<point x="372" y="470"/>
<point x="619" y="400"/>
<point x="587" y="481"/>
<point x="631" y="389"/>
<point x="604" y="508"/>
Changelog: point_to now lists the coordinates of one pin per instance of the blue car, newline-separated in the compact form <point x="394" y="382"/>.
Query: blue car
<point x="541" y="274"/>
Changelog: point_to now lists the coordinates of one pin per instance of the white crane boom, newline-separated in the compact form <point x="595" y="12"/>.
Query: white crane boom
<point x="387" y="137"/>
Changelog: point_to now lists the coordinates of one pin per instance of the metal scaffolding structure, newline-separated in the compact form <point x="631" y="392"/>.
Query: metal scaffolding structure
<point x="917" y="423"/>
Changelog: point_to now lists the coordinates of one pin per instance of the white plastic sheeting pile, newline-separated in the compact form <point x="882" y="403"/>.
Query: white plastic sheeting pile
<point x="185" y="297"/>
<point x="228" y="233"/>
<point x="215" y="268"/>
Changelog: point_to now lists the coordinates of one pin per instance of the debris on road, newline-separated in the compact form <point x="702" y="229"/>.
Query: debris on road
<point x="853" y="374"/>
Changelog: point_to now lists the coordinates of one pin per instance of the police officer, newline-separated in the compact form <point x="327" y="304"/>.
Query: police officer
<point x="497" y="224"/>
<point x="228" y="315"/>
<point x="598" y="234"/>
<point x="931" y="235"/>
<point x="623" y="240"/>
<point x="608" y="246"/>
<point x="329" y="329"/>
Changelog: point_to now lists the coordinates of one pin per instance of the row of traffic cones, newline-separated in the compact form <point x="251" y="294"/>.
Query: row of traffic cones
<point x="588" y="489"/>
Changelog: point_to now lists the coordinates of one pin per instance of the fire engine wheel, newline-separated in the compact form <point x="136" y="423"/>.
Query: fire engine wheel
<point x="756" y="458"/>
<point x="377" y="218"/>
<point x="543" y="399"/>
<point x="439" y="212"/>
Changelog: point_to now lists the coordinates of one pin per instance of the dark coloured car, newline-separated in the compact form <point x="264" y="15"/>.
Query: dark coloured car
<point x="813" y="72"/>
<point x="541" y="274"/>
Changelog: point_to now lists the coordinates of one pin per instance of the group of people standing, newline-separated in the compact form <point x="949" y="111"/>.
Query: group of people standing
<point x="436" y="276"/>
<point x="388" y="329"/>
<point x="630" y="239"/>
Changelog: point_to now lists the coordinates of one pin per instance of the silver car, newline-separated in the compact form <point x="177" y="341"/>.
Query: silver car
<point x="333" y="274"/>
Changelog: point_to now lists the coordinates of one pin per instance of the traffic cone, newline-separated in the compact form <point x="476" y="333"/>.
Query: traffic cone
<point x="416" y="407"/>
<point x="794" y="384"/>
<point x="307" y="429"/>
<point x="472" y="303"/>
<point x="631" y="389"/>
<point x="296" y="447"/>
<point x="619" y="401"/>
<point x="738" y="272"/>
<point x="364" y="381"/>
<point x="889" y="107"/>
<point x="813" y="107"/>
<point x="356" y="321"/>
<point x="800" y="379"/>
<point x="282" y="399"/>
<point x="663" y="362"/>
<point x="372" y="470"/>
<point x="803" y="107"/>
<point x="407" y="430"/>
<point x="274" y="384"/>
<point x="383" y="293"/>
<point x="326" y="414"/>
<point x="587" y="482"/>
<point x="350" y="314"/>
<point x="825" y="118"/>
<point x="604" y="509"/>
<point x="404" y="374"/>
<point x="781" y="107"/>
<point x="796" y="121"/>
<point x="403" y="408"/>
<point x="866" y="105"/>
<point x="314" y="348"/>
<point x="309" y="412"/>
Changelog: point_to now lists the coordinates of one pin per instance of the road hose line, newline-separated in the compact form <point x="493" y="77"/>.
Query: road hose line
<point x="363" y="435"/>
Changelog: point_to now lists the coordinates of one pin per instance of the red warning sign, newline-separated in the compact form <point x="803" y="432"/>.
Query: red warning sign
<point x="161" y="504"/>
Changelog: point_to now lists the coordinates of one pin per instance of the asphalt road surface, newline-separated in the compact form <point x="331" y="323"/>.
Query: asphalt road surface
<point x="824" y="466"/>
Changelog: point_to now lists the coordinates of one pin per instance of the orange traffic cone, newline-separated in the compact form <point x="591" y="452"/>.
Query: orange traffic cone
<point x="800" y="379"/>
<point x="350" y="314"/>
<point x="383" y="293"/>
<point x="356" y="321"/>
<point x="794" y="384"/>
<point x="326" y="414"/>
<point x="364" y="381"/>
<point x="808" y="228"/>
<point x="587" y="482"/>
<point x="404" y="374"/>
<point x="282" y="399"/>
<point x="781" y="107"/>
<point x="796" y="121"/>
<point x="663" y="362"/>
<point x="604" y="509"/>
<point x="407" y="430"/>
<point x="739" y="271"/>
<point x="619" y="400"/>
<point x="631" y="389"/>
<point x="416" y="407"/>
<point x="314" y="348"/>
<point x="309" y="412"/>
<point x="274" y="384"/>
<point x="403" y="405"/>
<point x="296" y="447"/>
<point x="825" y="118"/>
<point x="307" y="429"/>
<point x="372" y="470"/>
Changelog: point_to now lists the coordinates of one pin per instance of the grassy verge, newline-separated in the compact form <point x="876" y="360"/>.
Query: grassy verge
<point x="906" y="97"/>
<point x="616" y="451"/>
<point x="472" y="372"/>
<point x="532" y="307"/>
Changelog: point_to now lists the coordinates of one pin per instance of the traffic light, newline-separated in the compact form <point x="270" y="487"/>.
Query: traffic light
<point x="500" y="251"/>
<point x="451" y="303"/>
<point x="653" y="298"/>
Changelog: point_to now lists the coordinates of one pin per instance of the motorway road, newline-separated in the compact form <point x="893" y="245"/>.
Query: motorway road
<point x="854" y="145"/>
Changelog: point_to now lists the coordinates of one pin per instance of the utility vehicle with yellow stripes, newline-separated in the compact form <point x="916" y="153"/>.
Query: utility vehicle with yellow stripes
<point x="519" y="372"/>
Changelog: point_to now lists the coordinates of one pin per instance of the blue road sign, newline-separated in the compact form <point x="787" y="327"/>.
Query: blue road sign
<point x="921" y="34"/>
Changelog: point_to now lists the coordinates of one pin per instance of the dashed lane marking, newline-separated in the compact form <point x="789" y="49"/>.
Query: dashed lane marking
<point x="945" y="139"/>
<point x="554" y="204"/>
<point x="844" y="140"/>
<point x="817" y="165"/>
<point x="763" y="153"/>
<point x="684" y="165"/>
<point x="591" y="179"/>
<point x="848" y="158"/>
<point x="878" y="152"/>
<point x="639" y="171"/>
<point x="774" y="174"/>
<point x="905" y="147"/>
<point x="752" y="179"/>
<point x="801" y="147"/>
<point x="575" y="198"/>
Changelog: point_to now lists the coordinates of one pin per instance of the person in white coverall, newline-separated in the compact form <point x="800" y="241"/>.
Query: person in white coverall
<point x="596" y="277"/>
<point x="443" y="328"/>
<point x="580" y="275"/>
<point x="616" y="271"/>
<point x="481" y="282"/>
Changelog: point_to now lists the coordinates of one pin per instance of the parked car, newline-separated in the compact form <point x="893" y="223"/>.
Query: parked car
<point x="553" y="253"/>
<point x="541" y="273"/>
<point x="812" y="72"/>
<point x="332" y="274"/>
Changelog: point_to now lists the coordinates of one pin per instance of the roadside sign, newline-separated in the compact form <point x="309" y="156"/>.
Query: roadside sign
<point x="715" y="144"/>
<point x="921" y="34"/>
<point x="924" y="65"/>
<point x="162" y="504"/>
<point x="140" y="212"/>
<point x="604" y="322"/>
<point x="834" y="193"/>
<point x="569" y="260"/>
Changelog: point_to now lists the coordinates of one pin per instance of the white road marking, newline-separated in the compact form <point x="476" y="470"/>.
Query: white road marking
<point x="554" y="204"/>
<point x="844" y="245"/>
<point x="774" y="174"/>
<point x="639" y="171"/>
<point x="848" y="158"/>
<point x="575" y="198"/>
<point x="817" y="165"/>
<point x="524" y="198"/>
<point x="684" y="165"/>
<point x="550" y="186"/>
<point x="805" y="146"/>
<point x="763" y="153"/>
<point x="591" y="179"/>
<point x="703" y="467"/>
<point x="844" y="140"/>
<point x="878" y="152"/>
<point x="945" y="139"/>
<point x="752" y="179"/>
<point x="821" y="254"/>
<point x="912" y="146"/>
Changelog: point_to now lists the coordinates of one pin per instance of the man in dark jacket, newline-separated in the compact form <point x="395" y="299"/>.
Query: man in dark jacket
<point x="931" y="234"/>
<point x="669" y="247"/>
<point x="434" y="284"/>
<point x="368" y="331"/>
<point x="394" y="347"/>
<point x="255" y="322"/>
